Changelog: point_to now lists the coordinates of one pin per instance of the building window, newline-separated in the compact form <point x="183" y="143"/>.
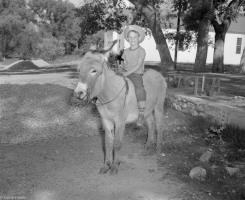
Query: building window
<point x="238" y="45"/>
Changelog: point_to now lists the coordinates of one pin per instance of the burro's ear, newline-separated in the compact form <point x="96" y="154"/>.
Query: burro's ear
<point x="106" y="52"/>
<point x="79" y="65"/>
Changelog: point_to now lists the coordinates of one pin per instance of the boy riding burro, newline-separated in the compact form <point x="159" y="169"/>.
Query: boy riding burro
<point x="134" y="57"/>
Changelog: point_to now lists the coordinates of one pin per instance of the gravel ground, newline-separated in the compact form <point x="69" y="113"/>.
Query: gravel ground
<point x="32" y="112"/>
<point x="47" y="154"/>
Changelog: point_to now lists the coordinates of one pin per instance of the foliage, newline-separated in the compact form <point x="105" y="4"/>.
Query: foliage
<point x="13" y="18"/>
<point x="10" y="26"/>
<point x="28" y="41"/>
<point x="50" y="48"/>
<point x="59" y="19"/>
<point x="216" y="132"/>
<point x="195" y="12"/>
<point x="225" y="9"/>
<point x="187" y="39"/>
<point x="99" y="15"/>
<point x="96" y="39"/>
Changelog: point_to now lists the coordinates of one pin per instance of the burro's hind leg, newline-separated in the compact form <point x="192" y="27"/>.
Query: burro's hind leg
<point x="151" y="139"/>
<point x="117" y="145"/>
<point x="109" y="139"/>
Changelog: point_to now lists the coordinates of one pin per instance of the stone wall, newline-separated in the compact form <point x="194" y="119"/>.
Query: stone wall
<point x="221" y="113"/>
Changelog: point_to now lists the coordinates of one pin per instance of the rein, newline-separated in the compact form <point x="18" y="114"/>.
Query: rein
<point x="126" y="93"/>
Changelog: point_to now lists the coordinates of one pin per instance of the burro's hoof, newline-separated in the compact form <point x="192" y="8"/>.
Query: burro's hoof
<point x="159" y="149"/>
<point x="104" y="169"/>
<point x="150" y="145"/>
<point x="114" y="170"/>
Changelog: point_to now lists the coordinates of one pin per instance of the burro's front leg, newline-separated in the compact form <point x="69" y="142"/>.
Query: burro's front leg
<point x="117" y="145"/>
<point x="109" y="139"/>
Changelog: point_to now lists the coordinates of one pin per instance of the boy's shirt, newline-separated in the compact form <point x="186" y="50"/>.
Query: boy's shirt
<point x="131" y="58"/>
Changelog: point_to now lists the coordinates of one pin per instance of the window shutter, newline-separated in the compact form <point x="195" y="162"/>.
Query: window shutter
<point x="238" y="45"/>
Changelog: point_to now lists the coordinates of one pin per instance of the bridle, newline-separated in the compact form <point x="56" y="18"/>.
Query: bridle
<point x="107" y="102"/>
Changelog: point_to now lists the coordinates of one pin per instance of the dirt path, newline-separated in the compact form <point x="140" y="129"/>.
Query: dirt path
<point x="67" y="169"/>
<point x="61" y="78"/>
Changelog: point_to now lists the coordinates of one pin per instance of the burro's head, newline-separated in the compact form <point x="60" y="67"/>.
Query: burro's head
<point x="91" y="70"/>
<point x="90" y="75"/>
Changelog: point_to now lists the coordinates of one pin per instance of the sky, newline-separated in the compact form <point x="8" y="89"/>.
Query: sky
<point x="76" y="2"/>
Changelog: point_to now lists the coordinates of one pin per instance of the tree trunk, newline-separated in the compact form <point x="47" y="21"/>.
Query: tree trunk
<point x="242" y="62"/>
<point x="202" y="46"/>
<point x="220" y="32"/>
<point x="218" y="58"/>
<point x="155" y="27"/>
<point x="221" y="25"/>
<point x="166" y="59"/>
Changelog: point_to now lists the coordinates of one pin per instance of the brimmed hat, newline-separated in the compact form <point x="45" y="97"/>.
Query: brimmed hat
<point x="137" y="29"/>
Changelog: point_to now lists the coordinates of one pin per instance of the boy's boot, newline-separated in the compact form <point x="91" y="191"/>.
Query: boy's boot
<point x="141" y="107"/>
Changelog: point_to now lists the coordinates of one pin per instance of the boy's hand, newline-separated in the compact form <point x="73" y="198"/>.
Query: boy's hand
<point x="120" y="70"/>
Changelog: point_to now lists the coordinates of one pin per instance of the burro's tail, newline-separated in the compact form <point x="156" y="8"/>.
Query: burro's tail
<point x="159" y="112"/>
<point x="162" y="91"/>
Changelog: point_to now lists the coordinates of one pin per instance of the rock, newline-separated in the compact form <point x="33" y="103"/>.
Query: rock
<point x="232" y="170"/>
<point x="205" y="157"/>
<point x="198" y="173"/>
<point x="241" y="192"/>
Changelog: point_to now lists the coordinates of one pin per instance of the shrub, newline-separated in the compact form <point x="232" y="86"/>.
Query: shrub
<point x="28" y="41"/>
<point x="50" y="49"/>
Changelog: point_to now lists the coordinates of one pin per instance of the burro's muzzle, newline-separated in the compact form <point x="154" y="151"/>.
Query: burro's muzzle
<point x="81" y="91"/>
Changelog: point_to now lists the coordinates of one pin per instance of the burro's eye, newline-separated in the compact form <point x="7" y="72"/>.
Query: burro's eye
<point x="93" y="72"/>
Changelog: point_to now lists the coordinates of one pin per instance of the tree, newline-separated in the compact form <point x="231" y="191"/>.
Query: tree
<point x="10" y="26"/>
<point x="58" y="18"/>
<point x="224" y="13"/>
<point x="14" y="16"/>
<point x="96" y="40"/>
<point x="219" y="14"/>
<point x="50" y="48"/>
<point x="197" y="18"/>
<point x="242" y="62"/>
<point x="28" y="42"/>
<point x="99" y="15"/>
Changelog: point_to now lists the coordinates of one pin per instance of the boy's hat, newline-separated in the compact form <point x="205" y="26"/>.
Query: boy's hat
<point x="137" y="29"/>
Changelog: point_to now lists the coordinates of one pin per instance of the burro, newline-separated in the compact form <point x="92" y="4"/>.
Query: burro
<point x="117" y="104"/>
